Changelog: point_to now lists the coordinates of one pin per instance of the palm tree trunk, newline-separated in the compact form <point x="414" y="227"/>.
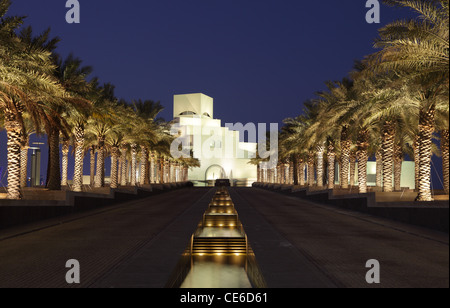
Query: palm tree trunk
<point x="99" y="175"/>
<point x="123" y="162"/>
<point x="331" y="157"/>
<point x="114" y="172"/>
<point x="311" y="180"/>
<point x="291" y="171"/>
<point x="388" y="155"/>
<point x="398" y="160"/>
<point x="301" y="171"/>
<point x="416" y="162"/>
<point x="426" y="129"/>
<point x="119" y="170"/>
<point x="445" y="158"/>
<point x="152" y="168"/>
<point x="345" y="157"/>
<point x="14" y="133"/>
<point x="353" y="158"/>
<point x="166" y="171"/>
<point x="161" y="170"/>
<point x="363" y="158"/>
<point x="129" y="172"/>
<point x="92" y="165"/>
<point x="79" y="159"/>
<point x="320" y="151"/>
<point x="277" y="174"/>
<point x="295" y="161"/>
<point x="54" y="169"/>
<point x="133" y="163"/>
<point x="145" y="172"/>
<point x="379" y="168"/>
<point x="23" y="166"/>
<point x="65" y="162"/>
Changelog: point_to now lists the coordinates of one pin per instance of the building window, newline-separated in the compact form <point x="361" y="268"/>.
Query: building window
<point x="188" y="113"/>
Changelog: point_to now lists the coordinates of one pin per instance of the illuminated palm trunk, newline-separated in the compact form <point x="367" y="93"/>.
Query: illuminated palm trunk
<point x="295" y="160"/>
<point x="145" y="167"/>
<point x="275" y="175"/>
<point x="13" y="132"/>
<point x="152" y="168"/>
<point x="320" y="151"/>
<point x="379" y="168"/>
<point x="426" y="129"/>
<point x="331" y="158"/>
<point x="54" y="169"/>
<point x="133" y="164"/>
<point x="311" y="180"/>
<point x="23" y="165"/>
<point x="161" y="170"/>
<point x="416" y="163"/>
<point x="92" y="165"/>
<point x="123" y="162"/>
<point x="79" y="157"/>
<point x="119" y="169"/>
<point x="398" y="160"/>
<point x="301" y="172"/>
<point x="114" y="166"/>
<point x="353" y="158"/>
<point x="99" y="175"/>
<point x="65" y="162"/>
<point x="388" y="155"/>
<point x="445" y="158"/>
<point x="172" y="168"/>
<point x="291" y="172"/>
<point x="345" y="157"/>
<point x="363" y="157"/>
<point x="166" y="171"/>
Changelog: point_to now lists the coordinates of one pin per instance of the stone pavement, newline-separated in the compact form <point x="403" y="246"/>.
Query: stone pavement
<point x="338" y="243"/>
<point x="297" y="244"/>
<point x="99" y="240"/>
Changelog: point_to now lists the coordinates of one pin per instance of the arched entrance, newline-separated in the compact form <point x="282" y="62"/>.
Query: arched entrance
<point x="213" y="173"/>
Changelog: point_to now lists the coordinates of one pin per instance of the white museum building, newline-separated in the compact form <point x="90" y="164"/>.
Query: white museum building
<point x="219" y="150"/>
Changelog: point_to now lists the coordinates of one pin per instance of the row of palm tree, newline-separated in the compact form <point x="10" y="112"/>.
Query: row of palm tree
<point x="42" y="93"/>
<point x="393" y="103"/>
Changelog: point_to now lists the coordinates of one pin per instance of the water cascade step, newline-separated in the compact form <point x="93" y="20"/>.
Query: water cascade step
<point x="219" y="255"/>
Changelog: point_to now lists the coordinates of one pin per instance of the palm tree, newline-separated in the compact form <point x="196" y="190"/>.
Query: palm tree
<point x="65" y="160"/>
<point x="73" y="76"/>
<point x="26" y="81"/>
<point x="442" y="122"/>
<point x="100" y="124"/>
<point x="418" y="50"/>
<point x="54" y="124"/>
<point x="146" y="131"/>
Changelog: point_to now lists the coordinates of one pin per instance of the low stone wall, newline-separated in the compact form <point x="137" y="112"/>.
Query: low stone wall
<point x="432" y="215"/>
<point x="18" y="212"/>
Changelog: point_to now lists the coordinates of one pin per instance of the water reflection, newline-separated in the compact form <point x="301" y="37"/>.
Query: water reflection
<point x="218" y="255"/>
<point x="216" y="275"/>
<point x="220" y="232"/>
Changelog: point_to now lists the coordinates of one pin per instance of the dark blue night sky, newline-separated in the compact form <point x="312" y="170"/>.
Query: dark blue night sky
<point x="258" y="59"/>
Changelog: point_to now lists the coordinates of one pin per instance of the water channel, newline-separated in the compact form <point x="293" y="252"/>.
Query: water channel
<point x="219" y="255"/>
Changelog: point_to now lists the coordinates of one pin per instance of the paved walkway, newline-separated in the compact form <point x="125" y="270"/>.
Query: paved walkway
<point x="339" y="243"/>
<point x="297" y="244"/>
<point x="99" y="240"/>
